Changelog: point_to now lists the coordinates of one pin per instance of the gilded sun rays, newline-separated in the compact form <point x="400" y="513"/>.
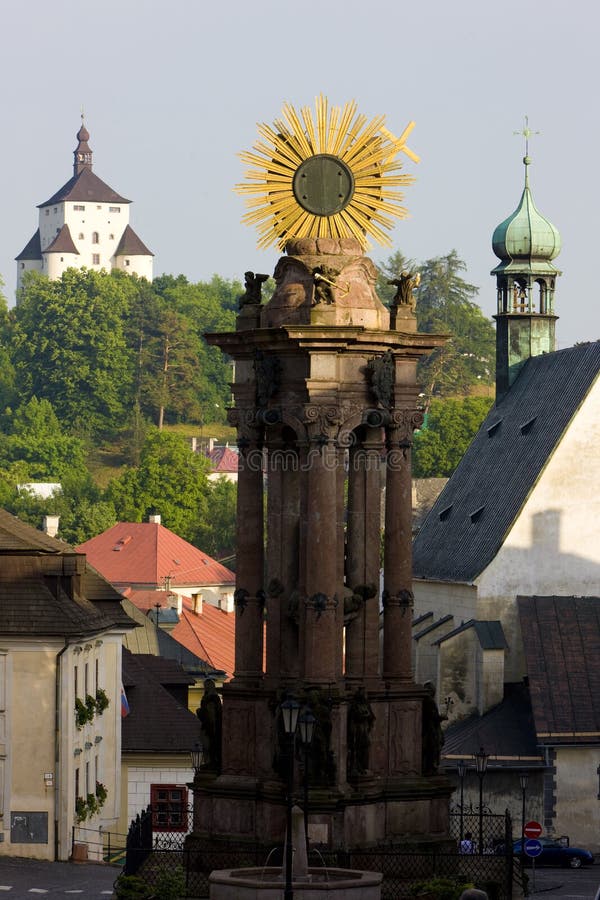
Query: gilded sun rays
<point x="334" y="175"/>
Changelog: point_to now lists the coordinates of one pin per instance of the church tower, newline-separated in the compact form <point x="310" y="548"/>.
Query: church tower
<point x="84" y="224"/>
<point x="526" y="243"/>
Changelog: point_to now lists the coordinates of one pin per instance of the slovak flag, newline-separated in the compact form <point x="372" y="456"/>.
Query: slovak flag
<point x="124" y="703"/>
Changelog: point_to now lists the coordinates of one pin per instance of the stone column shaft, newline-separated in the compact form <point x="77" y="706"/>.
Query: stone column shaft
<point x="397" y="571"/>
<point x="320" y="651"/>
<point x="250" y="561"/>
<point x="363" y="558"/>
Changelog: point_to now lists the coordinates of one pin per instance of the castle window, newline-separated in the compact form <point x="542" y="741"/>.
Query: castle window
<point x="126" y="262"/>
<point x="22" y="265"/>
<point x="47" y="212"/>
<point x="95" y="259"/>
<point x="77" y="208"/>
<point x="114" y="209"/>
<point x="95" y="237"/>
<point x="111" y="237"/>
<point x="55" y="210"/>
<point x="80" y="235"/>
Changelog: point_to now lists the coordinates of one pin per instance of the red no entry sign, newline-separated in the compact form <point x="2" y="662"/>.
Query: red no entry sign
<point x="532" y="830"/>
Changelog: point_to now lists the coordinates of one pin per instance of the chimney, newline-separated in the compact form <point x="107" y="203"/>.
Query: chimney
<point x="211" y="445"/>
<point x="226" y="602"/>
<point x="175" y="601"/>
<point x="197" y="604"/>
<point x="154" y="519"/>
<point x="50" y="525"/>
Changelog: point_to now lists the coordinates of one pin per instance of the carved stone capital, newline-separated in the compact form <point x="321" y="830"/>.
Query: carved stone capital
<point x="322" y="421"/>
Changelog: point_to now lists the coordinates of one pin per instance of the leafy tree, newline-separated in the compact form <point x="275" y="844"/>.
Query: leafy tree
<point x="216" y="534"/>
<point x="69" y="346"/>
<point x="36" y="441"/>
<point x="450" y="428"/>
<point x="170" y="479"/>
<point x="446" y="305"/>
<point x="7" y="372"/>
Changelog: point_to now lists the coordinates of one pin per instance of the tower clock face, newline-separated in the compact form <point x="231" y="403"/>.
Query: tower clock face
<point x="336" y="176"/>
<point x="323" y="185"/>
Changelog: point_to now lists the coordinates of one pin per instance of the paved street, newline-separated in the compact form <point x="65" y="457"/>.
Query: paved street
<point x="28" y="878"/>
<point x="569" y="884"/>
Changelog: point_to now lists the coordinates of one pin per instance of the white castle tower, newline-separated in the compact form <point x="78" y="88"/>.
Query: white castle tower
<point x="84" y="224"/>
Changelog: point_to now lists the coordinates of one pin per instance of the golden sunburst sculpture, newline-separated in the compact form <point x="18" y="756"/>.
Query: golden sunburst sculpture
<point x="336" y="177"/>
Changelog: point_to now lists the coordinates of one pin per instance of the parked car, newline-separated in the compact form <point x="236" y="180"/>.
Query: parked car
<point x="557" y="854"/>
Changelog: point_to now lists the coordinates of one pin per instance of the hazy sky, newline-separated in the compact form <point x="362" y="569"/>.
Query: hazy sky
<point x="172" y="91"/>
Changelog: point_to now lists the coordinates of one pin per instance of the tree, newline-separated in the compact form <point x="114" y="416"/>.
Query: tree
<point x="446" y="305"/>
<point x="43" y="450"/>
<point x="170" y="480"/>
<point x="450" y="427"/>
<point x="216" y="535"/>
<point x="7" y="373"/>
<point x="69" y="346"/>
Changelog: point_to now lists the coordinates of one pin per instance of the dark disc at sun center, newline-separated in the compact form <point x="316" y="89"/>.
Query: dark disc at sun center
<point x="323" y="185"/>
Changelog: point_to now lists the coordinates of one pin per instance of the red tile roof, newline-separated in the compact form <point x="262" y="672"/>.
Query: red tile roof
<point x="210" y="635"/>
<point x="223" y="459"/>
<point x="146" y="553"/>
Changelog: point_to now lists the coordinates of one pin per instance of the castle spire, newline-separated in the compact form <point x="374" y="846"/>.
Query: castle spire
<point x="82" y="155"/>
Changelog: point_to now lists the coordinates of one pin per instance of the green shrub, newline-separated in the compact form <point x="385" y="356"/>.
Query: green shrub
<point x="440" y="888"/>
<point x="171" y="885"/>
<point x="131" y="887"/>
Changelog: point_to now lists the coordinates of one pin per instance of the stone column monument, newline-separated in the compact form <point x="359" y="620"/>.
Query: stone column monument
<point x="325" y="405"/>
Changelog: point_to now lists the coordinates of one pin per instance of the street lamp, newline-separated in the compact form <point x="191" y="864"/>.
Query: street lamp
<point x="289" y="713"/>
<point x="481" y="761"/>
<point x="523" y="779"/>
<point x="306" y="727"/>
<point x="462" y="769"/>
<point x="197" y="757"/>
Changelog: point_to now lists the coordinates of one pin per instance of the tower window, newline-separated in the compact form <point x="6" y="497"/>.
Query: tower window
<point x="80" y="235"/>
<point x="114" y="209"/>
<point x="111" y="237"/>
<point x="126" y="262"/>
<point x="47" y="211"/>
<point x="95" y="259"/>
<point x="77" y="208"/>
<point x="22" y="265"/>
<point x="95" y="237"/>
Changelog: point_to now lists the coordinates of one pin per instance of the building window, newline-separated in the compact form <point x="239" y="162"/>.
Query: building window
<point x="87" y="779"/>
<point x="127" y="262"/>
<point x="114" y="209"/>
<point x="47" y="212"/>
<point x="77" y="782"/>
<point x="98" y="206"/>
<point x="86" y="680"/>
<point x="111" y="237"/>
<point x="22" y="265"/>
<point x="80" y="235"/>
<point x="95" y="259"/>
<point x="55" y="210"/>
<point x="75" y="677"/>
<point x="77" y="208"/>
<point x="169" y="807"/>
<point x="95" y="237"/>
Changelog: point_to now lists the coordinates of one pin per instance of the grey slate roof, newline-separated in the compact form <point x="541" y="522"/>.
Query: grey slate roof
<point x="507" y="730"/>
<point x="32" y="599"/>
<point x="131" y="245"/>
<point x="32" y="249"/>
<point x="85" y="188"/>
<point x="466" y="527"/>
<point x="156" y="722"/>
<point x="490" y="634"/>
<point x="63" y="242"/>
<point x="561" y="640"/>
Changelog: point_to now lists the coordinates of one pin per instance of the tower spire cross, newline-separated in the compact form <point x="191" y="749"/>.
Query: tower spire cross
<point x="527" y="133"/>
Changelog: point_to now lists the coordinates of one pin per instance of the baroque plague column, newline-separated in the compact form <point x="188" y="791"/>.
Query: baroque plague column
<point x="325" y="399"/>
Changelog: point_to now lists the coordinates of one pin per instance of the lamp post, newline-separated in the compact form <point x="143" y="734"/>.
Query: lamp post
<point x="289" y="713"/>
<point x="523" y="779"/>
<point x="481" y="761"/>
<point x="306" y="727"/>
<point x="197" y="759"/>
<point x="462" y="769"/>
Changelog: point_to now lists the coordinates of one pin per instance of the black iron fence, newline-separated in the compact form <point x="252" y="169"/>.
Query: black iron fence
<point x="155" y="857"/>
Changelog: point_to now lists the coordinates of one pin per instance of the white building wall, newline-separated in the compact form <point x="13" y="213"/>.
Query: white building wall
<point x="554" y="545"/>
<point x="107" y="220"/>
<point x="577" y="806"/>
<point x="140" y="778"/>
<point x="135" y="265"/>
<point x="52" y="219"/>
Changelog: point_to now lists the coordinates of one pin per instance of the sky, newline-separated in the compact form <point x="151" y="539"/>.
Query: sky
<point x="173" y="91"/>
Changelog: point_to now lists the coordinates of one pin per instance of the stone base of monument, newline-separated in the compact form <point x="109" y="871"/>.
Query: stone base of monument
<point x="317" y="884"/>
